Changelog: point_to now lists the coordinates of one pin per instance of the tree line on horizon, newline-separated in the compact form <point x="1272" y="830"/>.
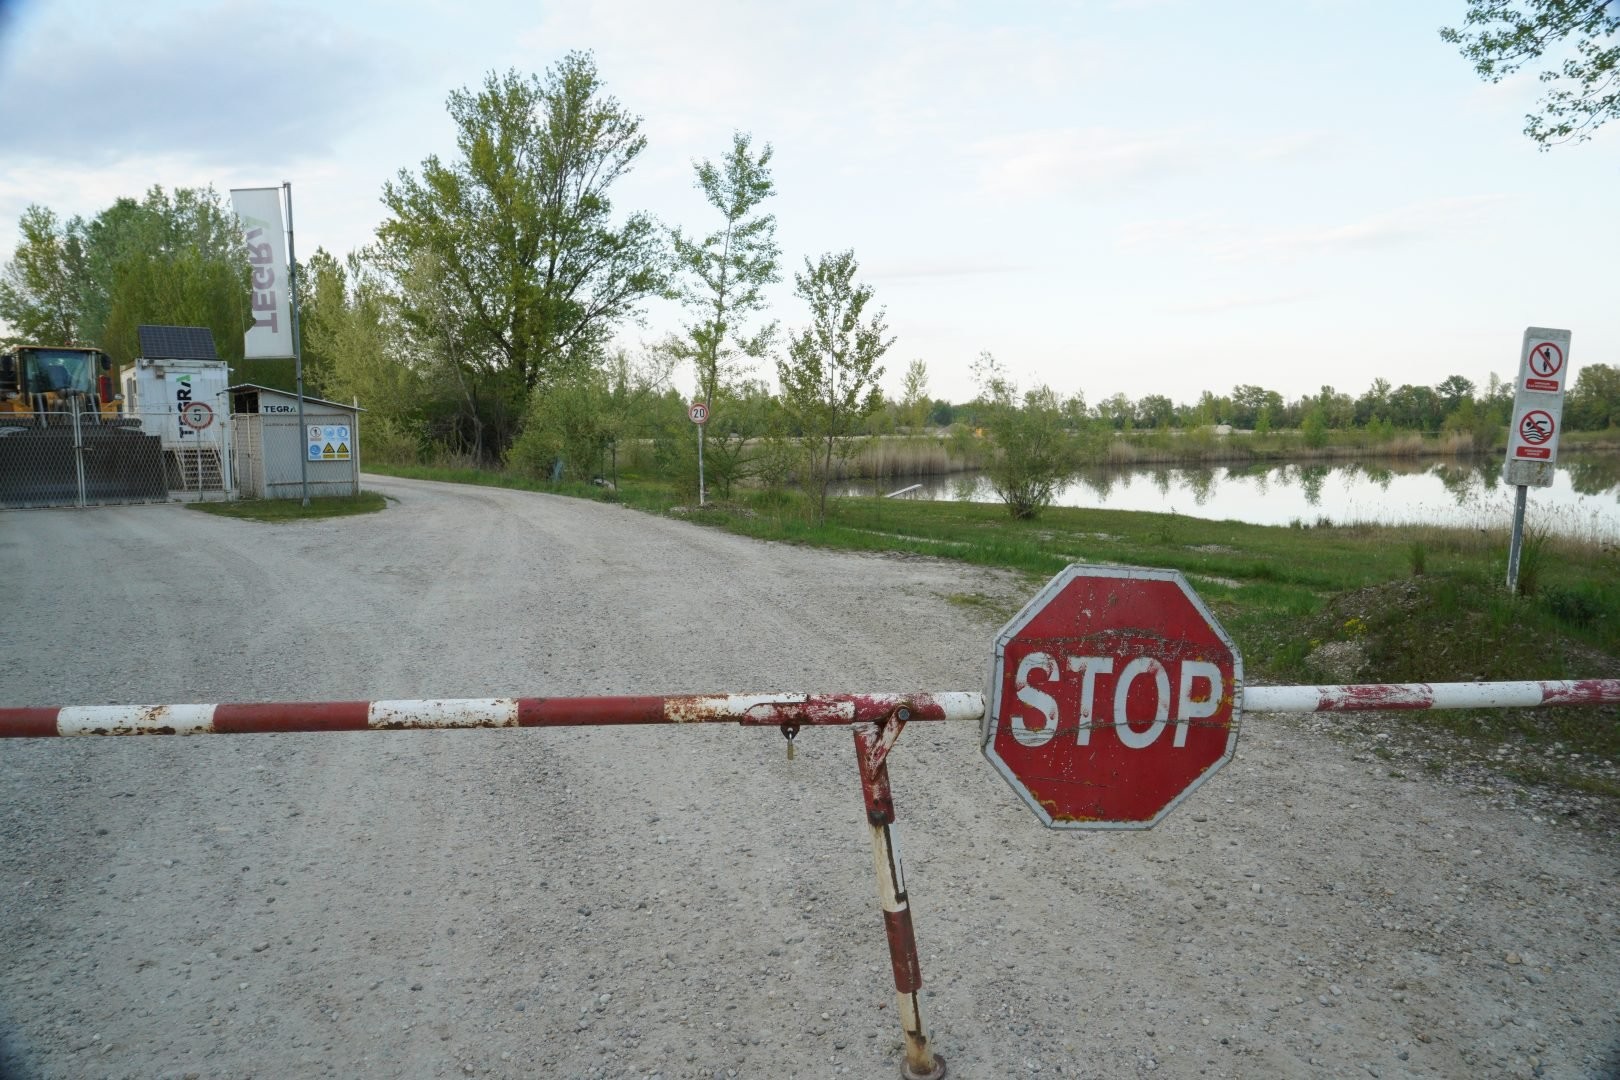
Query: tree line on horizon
<point x="481" y="321"/>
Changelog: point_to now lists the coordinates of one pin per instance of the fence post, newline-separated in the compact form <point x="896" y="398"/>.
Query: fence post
<point x="78" y="450"/>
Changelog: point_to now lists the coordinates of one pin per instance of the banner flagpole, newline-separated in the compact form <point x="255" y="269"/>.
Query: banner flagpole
<point x="298" y="345"/>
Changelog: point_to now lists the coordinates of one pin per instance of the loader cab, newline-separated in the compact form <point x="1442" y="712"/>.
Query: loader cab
<point x="27" y="370"/>
<point x="57" y="371"/>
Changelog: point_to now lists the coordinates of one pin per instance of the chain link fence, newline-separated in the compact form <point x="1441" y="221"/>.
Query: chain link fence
<point x="78" y="457"/>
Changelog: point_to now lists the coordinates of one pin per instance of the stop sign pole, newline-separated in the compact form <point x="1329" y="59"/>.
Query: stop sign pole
<point x="1113" y="694"/>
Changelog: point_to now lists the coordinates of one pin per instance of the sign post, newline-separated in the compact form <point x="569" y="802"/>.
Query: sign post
<point x="1113" y="694"/>
<point x="699" y="412"/>
<point x="1538" y="409"/>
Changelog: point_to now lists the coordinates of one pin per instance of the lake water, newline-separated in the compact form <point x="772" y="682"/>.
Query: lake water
<point x="1584" y="500"/>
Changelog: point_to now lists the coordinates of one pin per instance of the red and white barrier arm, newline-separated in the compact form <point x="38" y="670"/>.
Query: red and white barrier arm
<point x="1382" y="697"/>
<point x="762" y="710"/>
<point x="753" y="710"/>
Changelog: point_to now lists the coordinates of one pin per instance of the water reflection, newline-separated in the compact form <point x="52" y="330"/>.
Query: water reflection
<point x="1202" y="484"/>
<point x="1594" y="475"/>
<point x="1458" y="479"/>
<point x="1311" y="478"/>
<point x="1584" y="499"/>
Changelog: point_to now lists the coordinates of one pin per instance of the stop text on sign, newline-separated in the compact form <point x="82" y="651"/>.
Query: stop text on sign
<point x="1197" y="696"/>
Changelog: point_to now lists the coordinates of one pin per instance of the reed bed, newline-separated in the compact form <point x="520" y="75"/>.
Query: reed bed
<point x="1203" y="447"/>
<point x="908" y="456"/>
<point x="903" y="456"/>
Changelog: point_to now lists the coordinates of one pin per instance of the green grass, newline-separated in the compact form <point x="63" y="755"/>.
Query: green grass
<point x="284" y="510"/>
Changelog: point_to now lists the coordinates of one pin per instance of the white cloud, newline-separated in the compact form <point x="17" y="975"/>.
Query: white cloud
<point x="188" y="85"/>
<point x="1097" y="160"/>
<point x="1238" y="301"/>
<point x="1231" y="241"/>
<point x="950" y="266"/>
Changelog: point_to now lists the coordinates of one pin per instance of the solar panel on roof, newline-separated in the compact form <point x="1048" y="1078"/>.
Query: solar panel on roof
<point x="177" y="343"/>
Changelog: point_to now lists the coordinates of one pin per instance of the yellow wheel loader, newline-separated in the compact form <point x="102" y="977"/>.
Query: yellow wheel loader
<point x="63" y="439"/>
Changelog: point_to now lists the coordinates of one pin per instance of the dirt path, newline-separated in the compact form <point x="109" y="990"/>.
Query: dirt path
<point x="689" y="903"/>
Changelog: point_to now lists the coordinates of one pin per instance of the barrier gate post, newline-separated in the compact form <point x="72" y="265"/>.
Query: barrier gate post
<point x="872" y="745"/>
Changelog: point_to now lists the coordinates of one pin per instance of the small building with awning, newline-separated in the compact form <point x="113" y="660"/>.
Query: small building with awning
<point x="272" y="448"/>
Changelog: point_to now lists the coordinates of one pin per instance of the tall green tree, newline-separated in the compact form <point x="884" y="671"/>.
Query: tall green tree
<point x="1594" y="402"/>
<point x="40" y="288"/>
<point x="468" y="408"/>
<point x="914" y="401"/>
<point x="724" y="273"/>
<point x="1251" y="404"/>
<point x="351" y="328"/>
<point x="1033" y="453"/>
<point x="581" y="421"/>
<point x="323" y="303"/>
<point x="1583" y="90"/>
<point x="1155" y="410"/>
<point x="530" y="270"/>
<point x="829" y="377"/>
<point x="169" y="258"/>
<point x="1118" y="410"/>
<point x="1374" y="404"/>
<point x="1454" y="390"/>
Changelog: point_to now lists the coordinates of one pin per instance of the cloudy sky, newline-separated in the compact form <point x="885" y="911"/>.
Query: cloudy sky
<point x="1147" y="196"/>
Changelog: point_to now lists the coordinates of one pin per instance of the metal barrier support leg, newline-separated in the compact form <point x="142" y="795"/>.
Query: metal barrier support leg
<point x="872" y="745"/>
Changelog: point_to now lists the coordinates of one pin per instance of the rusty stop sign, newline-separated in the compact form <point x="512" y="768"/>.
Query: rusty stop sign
<point x="1113" y="694"/>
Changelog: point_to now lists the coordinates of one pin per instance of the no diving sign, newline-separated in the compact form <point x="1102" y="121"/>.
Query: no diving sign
<point x="1538" y="408"/>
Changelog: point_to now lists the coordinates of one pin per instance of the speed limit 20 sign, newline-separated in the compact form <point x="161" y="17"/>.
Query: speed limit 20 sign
<point x="1113" y="694"/>
<point x="699" y="412"/>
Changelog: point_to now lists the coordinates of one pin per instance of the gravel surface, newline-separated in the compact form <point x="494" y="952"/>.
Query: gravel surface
<point x="686" y="903"/>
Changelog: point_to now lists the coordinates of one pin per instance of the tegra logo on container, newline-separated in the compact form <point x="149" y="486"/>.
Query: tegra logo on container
<point x="182" y="398"/>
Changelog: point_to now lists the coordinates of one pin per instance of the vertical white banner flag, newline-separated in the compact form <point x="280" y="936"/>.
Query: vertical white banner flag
<point x="260" y="212"/>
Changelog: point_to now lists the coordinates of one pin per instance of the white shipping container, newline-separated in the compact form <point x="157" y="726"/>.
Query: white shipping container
<point x="183" y="402"/>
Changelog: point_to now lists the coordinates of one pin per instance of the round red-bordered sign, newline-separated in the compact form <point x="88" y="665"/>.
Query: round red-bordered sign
<point x="699" y="412"/>
<point x="197" y="415"/>
<point x="1546" y="359"/>
<point x="1537" y="427"/>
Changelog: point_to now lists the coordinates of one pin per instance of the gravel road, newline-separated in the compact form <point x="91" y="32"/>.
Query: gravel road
<point x="687" y="903"/>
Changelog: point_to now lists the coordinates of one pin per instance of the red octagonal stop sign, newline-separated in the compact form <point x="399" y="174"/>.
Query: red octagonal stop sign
<point x="1112" y="695"/>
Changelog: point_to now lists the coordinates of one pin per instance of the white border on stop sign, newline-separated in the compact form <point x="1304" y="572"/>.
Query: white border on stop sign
<point x="1038" y="603"/>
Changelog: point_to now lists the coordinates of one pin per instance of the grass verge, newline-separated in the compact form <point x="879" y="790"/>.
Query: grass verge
<point x="284" y="510"/>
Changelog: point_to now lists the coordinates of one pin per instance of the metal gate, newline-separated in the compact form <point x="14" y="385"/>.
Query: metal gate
<point x="78" y="457"/>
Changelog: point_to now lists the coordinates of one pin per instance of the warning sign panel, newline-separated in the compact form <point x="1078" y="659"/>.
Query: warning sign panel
<point x="329" y="442"/>
<point x="1536" y="430"/>
<point x="1543" y="362"/>
<point x="1538" y="408"/>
